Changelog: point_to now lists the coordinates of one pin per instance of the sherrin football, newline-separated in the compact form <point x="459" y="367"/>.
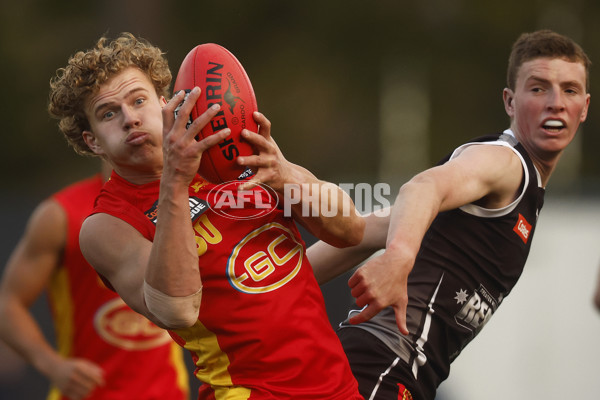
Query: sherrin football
<point x="223" y="80"/>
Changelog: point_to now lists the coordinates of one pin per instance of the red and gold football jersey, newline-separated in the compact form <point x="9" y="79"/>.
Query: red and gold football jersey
<point x="262" y="331"/>
<point x="138" y="358"/>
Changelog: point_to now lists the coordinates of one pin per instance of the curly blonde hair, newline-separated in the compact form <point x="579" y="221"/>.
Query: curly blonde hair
<point x="87" y="71"/>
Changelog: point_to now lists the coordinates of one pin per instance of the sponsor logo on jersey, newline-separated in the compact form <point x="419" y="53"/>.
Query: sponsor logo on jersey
<point x="152" y="213"/>
<point x="522" y="228"/>
<point x="197" y="208"/>
<point x="276" y="263"/>
<point x="246" y="174"/>
<point x="476" y="309"/>
<point x="122" y="327"/>
<point x="199" y="185"/>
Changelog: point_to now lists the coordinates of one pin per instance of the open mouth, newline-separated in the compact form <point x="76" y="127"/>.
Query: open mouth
<point x="553" y="125"/>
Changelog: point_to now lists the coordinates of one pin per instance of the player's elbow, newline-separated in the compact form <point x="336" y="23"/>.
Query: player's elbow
<point x="172" y="312"/>
<point x="353" y="232"/>
<point x="357" y="232"/>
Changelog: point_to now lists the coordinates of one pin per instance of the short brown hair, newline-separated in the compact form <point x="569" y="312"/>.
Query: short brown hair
<point x="87" y="71"/>
<point x="544" y="44"/>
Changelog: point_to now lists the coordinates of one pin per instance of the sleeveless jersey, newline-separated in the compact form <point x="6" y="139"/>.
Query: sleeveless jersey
<point x="262" y="330"/>
<point x="469" y="260"/>
<point x="139" y="359"/>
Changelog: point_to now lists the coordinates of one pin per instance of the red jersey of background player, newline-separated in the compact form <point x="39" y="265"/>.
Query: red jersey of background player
<point x="139" y="359"/>
<point x="262" y="330"/>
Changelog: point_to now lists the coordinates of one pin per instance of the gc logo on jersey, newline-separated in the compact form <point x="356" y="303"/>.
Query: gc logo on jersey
<point x="122" y="327"/>
<point x="262" y="271"/>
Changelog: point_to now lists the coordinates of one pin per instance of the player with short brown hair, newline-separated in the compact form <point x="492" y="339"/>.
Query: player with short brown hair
<point x="459" y="233"/>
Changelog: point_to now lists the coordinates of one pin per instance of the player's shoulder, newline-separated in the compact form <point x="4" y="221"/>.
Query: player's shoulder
<point x="494" y="155"/>
<point x="49" y="212"/>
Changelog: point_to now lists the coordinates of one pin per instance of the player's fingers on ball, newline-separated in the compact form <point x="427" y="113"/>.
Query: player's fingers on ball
<point x="182" y="103"/>
<point x="211" y="140"/>
<point x="256" y="161"/>
<point x="248" y="161"/>
<point x="203" y="119"/>
<point x="168" y="112"/>
<point x="172" y="104"/>
<point x="255" y="140"/>
<point x="264" y="125"/>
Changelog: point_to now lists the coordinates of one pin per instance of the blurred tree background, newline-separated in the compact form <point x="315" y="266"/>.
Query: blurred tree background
<point x="356" y="91"/>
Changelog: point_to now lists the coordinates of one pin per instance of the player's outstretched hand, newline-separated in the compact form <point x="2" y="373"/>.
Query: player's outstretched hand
<point x="380" y="283"/>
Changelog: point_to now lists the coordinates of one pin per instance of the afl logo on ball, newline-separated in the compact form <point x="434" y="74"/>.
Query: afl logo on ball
<point x="122" y="327"/>
<point x="279" y="261"/>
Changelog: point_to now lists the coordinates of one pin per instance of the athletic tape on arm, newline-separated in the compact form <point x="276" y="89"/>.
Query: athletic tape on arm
<point x="173" y="312"/>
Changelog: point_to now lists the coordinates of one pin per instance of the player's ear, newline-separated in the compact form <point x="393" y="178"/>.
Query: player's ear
<point x="509" y="99"/>
<point x="90" y="139"/>
<point x="584" y="112"/>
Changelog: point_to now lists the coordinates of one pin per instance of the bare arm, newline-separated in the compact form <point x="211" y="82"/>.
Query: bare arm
<point x="26" y="276"/>
<point x="329" y="262"/>
<point x="487" y="175"/>
<point x="323" y="208"/>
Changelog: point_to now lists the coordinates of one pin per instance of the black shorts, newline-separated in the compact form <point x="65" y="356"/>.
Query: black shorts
<point x="380" y="373"/>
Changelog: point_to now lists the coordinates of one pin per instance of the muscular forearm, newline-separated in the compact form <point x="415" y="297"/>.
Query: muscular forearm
<point x="323" y="208"/>
<point x="415" y="208"/>
<point x="21" y="332"/>
<point x="173" y="263"/>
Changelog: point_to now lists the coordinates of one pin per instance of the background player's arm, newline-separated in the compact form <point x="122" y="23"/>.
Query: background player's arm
<point x="27" y="274"/>
<point x="306" y="196"/>
<point x="486" y="175"/>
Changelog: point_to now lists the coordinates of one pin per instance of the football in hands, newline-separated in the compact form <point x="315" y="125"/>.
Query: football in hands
<point x="223" y="80"/>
